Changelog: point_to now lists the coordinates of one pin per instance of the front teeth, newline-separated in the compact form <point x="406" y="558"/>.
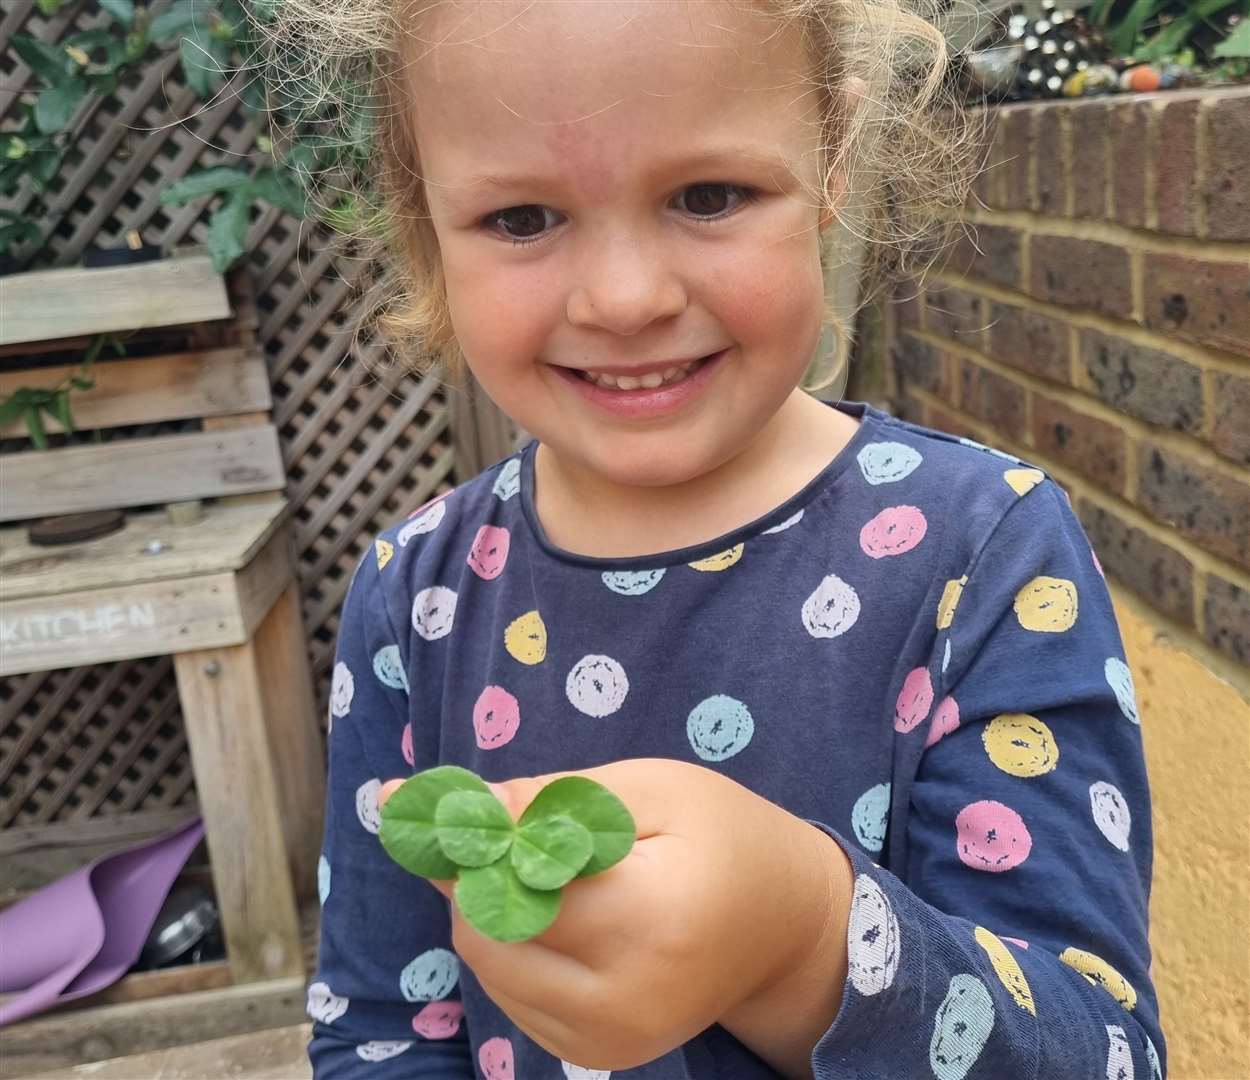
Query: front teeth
<point x="649" y="382"/>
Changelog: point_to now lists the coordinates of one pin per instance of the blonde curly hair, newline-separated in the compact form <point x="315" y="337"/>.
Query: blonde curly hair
<point x="896" y="150"/>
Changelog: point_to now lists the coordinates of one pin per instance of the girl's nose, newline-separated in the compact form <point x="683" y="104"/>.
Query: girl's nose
<point x="623" y="288"/>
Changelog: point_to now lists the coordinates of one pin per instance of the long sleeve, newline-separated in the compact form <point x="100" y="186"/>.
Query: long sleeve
<point x="385" y="998"/>
<point x="1009" y="936"/>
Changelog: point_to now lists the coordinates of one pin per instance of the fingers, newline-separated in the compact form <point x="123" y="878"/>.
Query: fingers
<point x="388" y="789"/>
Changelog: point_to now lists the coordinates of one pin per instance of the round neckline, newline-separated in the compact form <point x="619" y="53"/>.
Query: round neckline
<point x="868" y="418"/>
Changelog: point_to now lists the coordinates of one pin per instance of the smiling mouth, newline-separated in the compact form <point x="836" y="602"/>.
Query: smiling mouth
<point x="650" y="381"/>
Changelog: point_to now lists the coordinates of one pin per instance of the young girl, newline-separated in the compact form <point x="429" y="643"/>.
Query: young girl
<point x="859" y="683"/>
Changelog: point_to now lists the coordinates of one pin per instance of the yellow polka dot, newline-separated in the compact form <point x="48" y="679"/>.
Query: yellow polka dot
<point x="1020" y="744"/>
<point x="722" y="560"/>
<point x="526" y="638"/>
<point x="385" y="550"/>
<point x="1022" y="481"/>
<point x="950" y="600"/>
<point x="1007" y="969"/>
<point x="1098" y="972"/>
<point x="1047" y="605"/>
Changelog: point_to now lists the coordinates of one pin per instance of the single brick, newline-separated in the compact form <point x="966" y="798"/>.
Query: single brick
<point x="1092" y="446"/>
<point x="952" y="423"/>
<point x="1130" y="161"/>
<point x="1158" y="573"/>
<point x="1147" y="383"/>
<point x="1231" y="432"/>
<point x="907" y="308"/>
<point x="1029" y="340"/>
<point x="1227" y="184"/>
<point x="1176" y="164"/>
<point x="1226" y="618"/>
<point x="1089" y="121"/>
<point x="981" y="192"/>
<point x="1208" y="507"/>
<point x="1051" y="161"/>
<point x="954" y="314"/>
<point x="993" y="398"/>
<point x="1202" y="301"/>
<point x="1081" y="273"/>
<point x="1009" y="158"/>
<point x="920" y="364"/>
<point x="991" y="252"/>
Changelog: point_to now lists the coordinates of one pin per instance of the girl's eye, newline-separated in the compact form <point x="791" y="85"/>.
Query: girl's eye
<point x="521" y="224"/>
<point x="709" y="201"/>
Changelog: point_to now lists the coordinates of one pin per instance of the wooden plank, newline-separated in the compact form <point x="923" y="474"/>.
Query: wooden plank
<point x="223" y="708"/>
<point x="227" y="538"/>
<point x="100" y="625"/>
<point x="279" y="1054"/>
<point x="141" y="472"/>
<point x="70" y="300"/>
<point x="63" y="1039"/>
<point x="151" y="389"/>
<point x="295" y="745"/>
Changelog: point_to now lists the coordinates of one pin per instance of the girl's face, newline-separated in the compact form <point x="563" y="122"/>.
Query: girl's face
<point x="614" y="185"/>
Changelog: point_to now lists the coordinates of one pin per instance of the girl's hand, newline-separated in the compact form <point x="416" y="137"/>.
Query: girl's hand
<point x="728" y="909"/>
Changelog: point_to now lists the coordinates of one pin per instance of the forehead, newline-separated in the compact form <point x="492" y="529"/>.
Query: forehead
<point x="602" y="82"/>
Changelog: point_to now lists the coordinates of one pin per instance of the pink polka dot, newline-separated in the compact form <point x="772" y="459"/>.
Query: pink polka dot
<point x="914" y="700"/>
<point x="945" y="720"/>
<point x="495" y="1058"/>
<point x="490" y="551"/>
<point x="405" y="744"/>
<point x="893" y="531"/>
<point x="496" y="717"/>
<point x="1015" y="941"/>
<point x="991" y="837"/>
<point x="439" y="1019"/>
<point x="426" y="505"/>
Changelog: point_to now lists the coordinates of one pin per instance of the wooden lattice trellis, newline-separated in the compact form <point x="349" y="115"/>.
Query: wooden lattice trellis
<point x="363" y="443"/>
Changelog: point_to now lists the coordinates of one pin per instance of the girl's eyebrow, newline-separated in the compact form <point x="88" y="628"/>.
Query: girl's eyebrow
<point x="713" y="159"/>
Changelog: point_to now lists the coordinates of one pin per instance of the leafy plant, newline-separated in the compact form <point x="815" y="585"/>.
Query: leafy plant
<point x="31" y="404"/>
<point x="446" y="823"/>
<point x="1152" y="30"/>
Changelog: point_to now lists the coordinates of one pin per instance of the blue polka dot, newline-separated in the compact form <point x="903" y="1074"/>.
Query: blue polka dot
<point x="389" y="668"/>
<point x="887" y="462"/>
<point x="870" y="815"/>
<point x="431" y="976"/>
<point x="323" y="879"/>
<point x="632" y="582"/>
<point x="719" y="727"/>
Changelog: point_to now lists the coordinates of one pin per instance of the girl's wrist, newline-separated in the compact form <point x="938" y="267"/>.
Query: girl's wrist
<point x="785" y="1018"/>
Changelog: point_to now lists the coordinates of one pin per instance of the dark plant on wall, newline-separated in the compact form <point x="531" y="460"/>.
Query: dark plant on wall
<point x="1209" y="33"/>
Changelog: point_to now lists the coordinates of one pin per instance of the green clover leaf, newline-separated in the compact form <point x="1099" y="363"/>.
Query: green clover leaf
<point x="548" y="853"/>
<point x="445" y="822"/>
<point x="409" y="833"/>
<point x="473" y="828"/>
<point x="500" y="905"/>
<point x="593" y="807"/>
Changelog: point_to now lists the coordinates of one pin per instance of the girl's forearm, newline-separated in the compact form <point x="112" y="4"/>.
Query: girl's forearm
<point x="783" y="1021"/>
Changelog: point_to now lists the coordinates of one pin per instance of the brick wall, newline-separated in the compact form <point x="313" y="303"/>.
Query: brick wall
<point x="1096" y="320"/>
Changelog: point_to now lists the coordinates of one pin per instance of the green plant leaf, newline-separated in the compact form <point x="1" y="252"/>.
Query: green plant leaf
<point x="56" y="105"/>
<point x="11" y="408"/>
<point x="48" y="8"/>
<point x="408" y="830"/>
<point x="280" y="190"/>
<point x="34" y="425"/>
<point x="1237" y="44"/>
<point x="500" y="905"/>
<point x="548" y="853"/>
<point x="204" y="58"/>
<point x="46" y="61"/>
<point x="206" y="182"/>
<point x="122" y="10"/>
<point x="473" y="827"/>
<point x="596" y="809"/>
<point x="43" y="167"/>
<point x="172" y="23"/>
<point x="227" y="229"/>
<point x="60" y="409"/>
